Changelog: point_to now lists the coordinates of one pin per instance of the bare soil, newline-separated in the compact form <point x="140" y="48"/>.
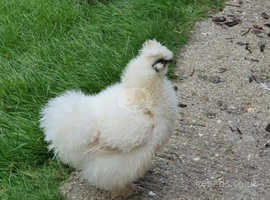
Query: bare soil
<point x="221" y="147"/>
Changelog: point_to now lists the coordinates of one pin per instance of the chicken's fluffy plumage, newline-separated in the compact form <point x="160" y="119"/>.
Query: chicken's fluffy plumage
<point x="112" y="136"/>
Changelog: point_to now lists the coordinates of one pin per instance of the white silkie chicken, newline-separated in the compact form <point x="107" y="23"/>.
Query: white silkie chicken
<point x="112" y="136"/>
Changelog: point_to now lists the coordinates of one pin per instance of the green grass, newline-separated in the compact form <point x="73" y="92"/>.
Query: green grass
<point x="49" y="46"/>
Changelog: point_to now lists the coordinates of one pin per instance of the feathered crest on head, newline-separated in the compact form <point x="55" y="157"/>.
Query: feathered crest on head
<point x="153" y="48"/>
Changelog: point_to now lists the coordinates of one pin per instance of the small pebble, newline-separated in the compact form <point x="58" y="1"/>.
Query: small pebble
<point x="162" y="166"/>
<point x="202" y="77"/>
<point x="204" y="98"/>
<point x="180" y="117"/>
<point x="211" y="115"/>
<point x="222" y="70"/>
<point x="251" y="110"/>
<point x="219" y="121"/>
<point x="267" y="145"/>
<point x="150" y="193"/>
<point x="196" y="158"/>
<point x="162" y="180"/>
<point x="262" y="47"/>
<point x="222" y="105"/>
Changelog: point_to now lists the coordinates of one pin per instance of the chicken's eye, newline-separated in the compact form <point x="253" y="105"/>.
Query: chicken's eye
<point x="158" y="61"/>
<point x="162" y="61"/>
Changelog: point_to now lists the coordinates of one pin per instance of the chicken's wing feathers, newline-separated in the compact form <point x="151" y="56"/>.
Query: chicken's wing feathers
<point x="124" y="139"/>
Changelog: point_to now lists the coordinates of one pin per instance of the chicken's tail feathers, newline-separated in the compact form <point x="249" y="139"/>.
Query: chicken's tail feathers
<point x="153" y="48"/>
<point x="66" y="123"/>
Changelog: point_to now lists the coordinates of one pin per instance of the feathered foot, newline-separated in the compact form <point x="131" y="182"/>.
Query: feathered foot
<point x="123" y="192"/>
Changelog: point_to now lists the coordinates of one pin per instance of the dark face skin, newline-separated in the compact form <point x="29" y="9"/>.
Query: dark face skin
<point x="161" y="61"/>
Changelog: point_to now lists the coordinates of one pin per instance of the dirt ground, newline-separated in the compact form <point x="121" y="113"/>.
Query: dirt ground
<point x="221" y="147"/>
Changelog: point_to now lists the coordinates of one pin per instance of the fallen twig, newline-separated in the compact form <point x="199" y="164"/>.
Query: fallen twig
<point x="231" y="38"/>
<point x="233" y="16"/>
<point x="219" y="19"/>
<point x="251" y="77"/>
<point x="265" y="16"/>
<point x="254" y="60"/>
<point x="232" y="23"/>
<point x="247" y="48"/>
<point x="237" y="130"/>
<point x="192" y="73"/>
<point x="182" y="105"/>
<point x="258" y="27"/>
<point x="267" y="25"/>
<point x="246" y="32"/>
<point x="242" y="43"/>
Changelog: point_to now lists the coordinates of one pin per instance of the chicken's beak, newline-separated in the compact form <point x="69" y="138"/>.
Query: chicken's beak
<point x="168" y="61"/>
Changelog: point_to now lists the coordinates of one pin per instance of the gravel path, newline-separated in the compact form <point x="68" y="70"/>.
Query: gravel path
<point x="221" y="148"/>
